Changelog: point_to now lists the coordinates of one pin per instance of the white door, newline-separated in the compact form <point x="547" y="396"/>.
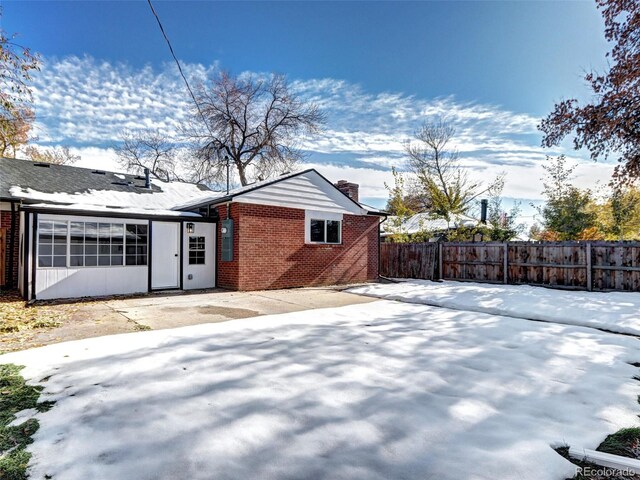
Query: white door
<point x="165" y="255"/>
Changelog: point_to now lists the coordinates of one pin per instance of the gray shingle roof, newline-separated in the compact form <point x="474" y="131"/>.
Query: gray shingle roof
<point x="62" y="184"/>
<point x="50" y="178"/>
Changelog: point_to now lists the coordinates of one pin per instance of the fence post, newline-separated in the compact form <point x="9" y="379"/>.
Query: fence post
<point x="440" y="272"/>
<point x="506" y="262"/>
<point x="589" y="268"/>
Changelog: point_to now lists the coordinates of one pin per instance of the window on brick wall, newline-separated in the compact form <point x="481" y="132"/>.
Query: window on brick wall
<point x="325" y="231"/>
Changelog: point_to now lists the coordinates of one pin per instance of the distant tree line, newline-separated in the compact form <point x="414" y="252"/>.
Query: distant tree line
<point x="572" y="213"/>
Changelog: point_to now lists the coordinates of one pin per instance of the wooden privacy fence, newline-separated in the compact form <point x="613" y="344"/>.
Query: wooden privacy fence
<point x="577" y="265"/>
<point x="573" y="265"/>
<point x="408" y="260"/>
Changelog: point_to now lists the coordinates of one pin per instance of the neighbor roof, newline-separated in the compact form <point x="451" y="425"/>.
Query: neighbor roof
<point x="424" y="222"/>
<point x="35" y="182"/>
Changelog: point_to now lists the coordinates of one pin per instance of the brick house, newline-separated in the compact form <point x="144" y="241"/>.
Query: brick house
<point x="72" y="232"/>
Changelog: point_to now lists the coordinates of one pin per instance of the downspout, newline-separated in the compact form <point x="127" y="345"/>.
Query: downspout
<point x="379" y="247"/>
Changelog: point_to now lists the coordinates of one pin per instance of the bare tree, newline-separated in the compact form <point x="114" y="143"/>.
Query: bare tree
<point x="59" y="155"/>
<point x="442" y="180"/>
<point x="253" y="122"/>
<point x="140" y="149"/>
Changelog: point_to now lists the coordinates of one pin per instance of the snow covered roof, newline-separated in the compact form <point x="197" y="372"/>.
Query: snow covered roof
<point x="425" y="222"/>
<point x="62" y="184"/>
<point x="85" y="189"/>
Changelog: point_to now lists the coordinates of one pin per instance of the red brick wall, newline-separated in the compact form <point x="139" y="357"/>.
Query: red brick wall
<point x="270" y="252"/>
<point x="5" y="222"/>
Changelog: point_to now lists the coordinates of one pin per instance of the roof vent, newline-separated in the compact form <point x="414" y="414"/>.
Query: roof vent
<point x="44" y="165"/>
<point x="99" y="172"/>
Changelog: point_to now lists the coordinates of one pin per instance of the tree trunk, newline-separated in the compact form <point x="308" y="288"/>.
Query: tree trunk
<point x="241" y="173"/>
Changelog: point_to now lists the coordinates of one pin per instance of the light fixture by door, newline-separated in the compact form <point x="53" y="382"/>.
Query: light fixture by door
<point x="190" y="227"/>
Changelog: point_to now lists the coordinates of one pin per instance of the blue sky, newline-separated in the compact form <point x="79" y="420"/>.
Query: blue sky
<point x="377" y="68"/>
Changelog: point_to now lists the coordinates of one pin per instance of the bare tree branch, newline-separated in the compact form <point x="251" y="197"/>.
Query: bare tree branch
<point x="253" y="121"/>
<point x="150" y="149"/>
<point x="443" y="183"/>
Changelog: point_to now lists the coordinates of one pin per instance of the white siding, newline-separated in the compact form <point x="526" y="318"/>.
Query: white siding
<point x="89" y="281"/>
<point x="307" y="191"/>
<point x="71" y="282"/>
<point x="203" y="276"/>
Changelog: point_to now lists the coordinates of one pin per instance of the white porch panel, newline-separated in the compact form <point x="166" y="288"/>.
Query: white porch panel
<point x="202" y="275"/>
<point x="165" y="255"/>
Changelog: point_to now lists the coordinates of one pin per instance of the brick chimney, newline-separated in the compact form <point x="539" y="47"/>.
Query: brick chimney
<point x="349" y="189"/>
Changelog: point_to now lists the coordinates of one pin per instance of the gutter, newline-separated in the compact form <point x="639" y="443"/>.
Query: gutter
<point x="115" y="214"/>
<point x="379" y="247"/>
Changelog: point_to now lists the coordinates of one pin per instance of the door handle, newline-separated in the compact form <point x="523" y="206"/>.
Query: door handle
<point x="176" y="255"/>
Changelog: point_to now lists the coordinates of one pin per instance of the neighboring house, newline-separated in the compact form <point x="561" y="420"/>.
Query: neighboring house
<point x="72" y="232"/>
<point x="424" y="222"/>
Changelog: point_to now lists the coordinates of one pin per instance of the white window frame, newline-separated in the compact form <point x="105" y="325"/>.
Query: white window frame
<point x="323" y="216"/>
<point x="205" y="255"/>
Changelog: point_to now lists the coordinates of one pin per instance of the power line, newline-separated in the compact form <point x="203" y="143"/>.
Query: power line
<point x="175" y="58"/>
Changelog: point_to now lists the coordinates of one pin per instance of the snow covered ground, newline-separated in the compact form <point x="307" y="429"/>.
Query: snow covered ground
<point x="384" y="390"/>
<point x="613" y="311"/>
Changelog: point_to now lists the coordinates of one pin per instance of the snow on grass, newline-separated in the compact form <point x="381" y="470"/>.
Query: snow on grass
<point x="614" y="311"/>
<point x="384" y="390"/>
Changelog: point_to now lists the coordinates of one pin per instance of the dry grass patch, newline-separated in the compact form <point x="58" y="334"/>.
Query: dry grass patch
<point x="17" y="316"/>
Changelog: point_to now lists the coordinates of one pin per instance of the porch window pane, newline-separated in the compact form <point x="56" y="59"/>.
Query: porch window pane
<point x="76" y="261"/>
<point x="59" y="261"/>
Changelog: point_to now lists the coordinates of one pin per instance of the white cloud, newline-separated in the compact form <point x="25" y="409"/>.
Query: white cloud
<point x="85" y="102"/>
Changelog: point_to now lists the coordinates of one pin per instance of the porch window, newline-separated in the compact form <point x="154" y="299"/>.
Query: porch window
<point x="52" y="244"/>
<point x="91" y="244"/>
<point x="196" y="250"/>
<point x="137" y="236"/>
<point x="96" y="244"/>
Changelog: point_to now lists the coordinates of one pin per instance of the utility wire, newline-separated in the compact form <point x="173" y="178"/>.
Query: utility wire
<point x="175" y="58"/>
